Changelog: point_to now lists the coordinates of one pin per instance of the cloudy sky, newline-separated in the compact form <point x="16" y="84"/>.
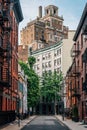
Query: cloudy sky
<point x="71" y="10"/>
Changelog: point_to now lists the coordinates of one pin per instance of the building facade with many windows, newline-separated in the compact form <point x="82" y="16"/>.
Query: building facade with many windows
<point x="22" y="107"/>
<point x="48" y="59"/>
<point x="10" y="16"/>
<point x="77" y="73"/>
<point x="48" y="28"/>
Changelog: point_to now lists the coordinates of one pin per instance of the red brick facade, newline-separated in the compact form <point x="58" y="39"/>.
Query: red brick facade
<point x="48" y="28"/>
<point x="77" y="73"/>
<point x="8" y="57"/>
<point x="23" y="53"/>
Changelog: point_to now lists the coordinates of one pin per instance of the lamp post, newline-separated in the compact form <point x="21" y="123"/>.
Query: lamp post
<point x="63" y="95"/>
<point x="18" y="98"/>
<point x="55" y="103"/>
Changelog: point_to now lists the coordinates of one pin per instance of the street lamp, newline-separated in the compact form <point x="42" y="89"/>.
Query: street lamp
<point x="55" y="103"/>
<point x="18" y="111"/>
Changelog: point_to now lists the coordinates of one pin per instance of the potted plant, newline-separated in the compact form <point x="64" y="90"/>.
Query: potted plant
<point x="75" y="116"/>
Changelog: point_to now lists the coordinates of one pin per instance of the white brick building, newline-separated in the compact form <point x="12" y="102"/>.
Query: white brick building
<point x="48" y="59"/>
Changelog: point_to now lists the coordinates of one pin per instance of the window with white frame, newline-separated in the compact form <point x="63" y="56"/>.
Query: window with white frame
<point x="58" y="61"/>
<point x="49" y="63"/>
<point x="38" y="59"/>
<point x="43" y="65"/>
<point x="43" y="57"/>
<point x="55" y="62"/>
<point x="38" y="67"/>
<point x="49" y="55"/>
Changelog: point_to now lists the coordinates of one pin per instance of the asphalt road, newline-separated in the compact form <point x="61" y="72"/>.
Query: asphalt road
<point x="45" y="123"/>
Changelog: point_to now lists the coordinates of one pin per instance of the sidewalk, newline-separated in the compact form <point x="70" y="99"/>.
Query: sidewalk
<point x="14" y="125"/>
<point x="71" y="124"/>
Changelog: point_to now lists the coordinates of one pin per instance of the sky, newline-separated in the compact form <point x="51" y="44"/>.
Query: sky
<point x="71" y="10"/>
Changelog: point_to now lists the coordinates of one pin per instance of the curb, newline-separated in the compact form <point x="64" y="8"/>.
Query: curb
<point x="28" y="123"/>
<point x="18" y="127"/>
<point x="32" y="119"/>
<point x="5" y="125"/>
<point x="63" y="123"/>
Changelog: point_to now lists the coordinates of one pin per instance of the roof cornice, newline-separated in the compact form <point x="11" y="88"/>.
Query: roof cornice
<point x="84" y="15"/>
<point x="17" y="10"/>
<point x="48" y="48"/>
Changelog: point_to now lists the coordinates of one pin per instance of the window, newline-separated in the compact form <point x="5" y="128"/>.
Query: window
<point x="59" y="69"/>
<point x="43" y="57"/>
<point x="38" y="59"/>
<point x="59" y="52"/>
<point x="56" y="39"/>
<point x="78" y="45"/>
<point x="46" y="56"/>
<point x="55" y="53"/>
<point x="82" y="63"/>
<point x="49" y="55"/>
<point x="47" y="11"/>
<point x="78" y="63"/>
<point x="58" y="61"/>
<point x="81" y="41"/>
<point x="0" y="102"/>
<point x="38" y="67"/>
<point x="86" y="107"/>
<point x="54" y="11"/>
<point x="50" y="36"/>
<point x="0" y="41"/>
<point x="0" y="73"/>
<point x="37" y="29"/>
<point x="46" y="65"/>
<point x="43" y="65"/>
<point x="49" y="63"/>
<point x="50" y="72"/>
<point x="40" y="46"/>
<point x="54" y="62"/>
<point x="78" y="85"/>
<point x="37" y="35"/>
<point x="82" y="83"/>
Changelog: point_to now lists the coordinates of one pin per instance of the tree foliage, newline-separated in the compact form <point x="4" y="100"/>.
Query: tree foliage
<point x="31" y="61"/>
<point x="33" y="81"/>
<point x="51" y="85"/>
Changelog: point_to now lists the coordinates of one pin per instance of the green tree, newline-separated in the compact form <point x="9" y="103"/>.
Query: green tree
<point x="51" y="85"/>
<point x="31" y="61"/>
<point x="57" y="84"/>
<point x="33" y="82"/>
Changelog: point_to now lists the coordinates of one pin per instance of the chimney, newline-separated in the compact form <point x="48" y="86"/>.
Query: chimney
<point x="40" y="11"/>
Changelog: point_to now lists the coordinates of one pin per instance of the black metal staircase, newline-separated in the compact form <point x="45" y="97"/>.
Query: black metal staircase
<point x="5" y="45"/>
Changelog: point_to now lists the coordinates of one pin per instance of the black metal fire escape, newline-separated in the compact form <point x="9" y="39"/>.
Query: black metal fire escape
<point x="84" y="57"/>
<point x="76" y="71"/>
<point x="5" y="45"/>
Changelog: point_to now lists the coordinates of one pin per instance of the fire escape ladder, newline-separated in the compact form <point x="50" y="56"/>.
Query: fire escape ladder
<point x="76" y="93"/>
<point x="5" y="45"/>
<point x="5" y="78"/>
<point x="75" y="50"/>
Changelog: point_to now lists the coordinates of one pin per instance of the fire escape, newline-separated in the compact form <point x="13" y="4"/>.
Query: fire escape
<point x="84" y="57"/>
<point x="5" y="45"/>
<point x="75" y="71"/>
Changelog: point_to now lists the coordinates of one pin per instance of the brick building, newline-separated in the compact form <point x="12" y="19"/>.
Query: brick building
<point x="10" y="16"/>
<point x="77" y="73"/>
<point x="48" y="28"/>
<point x="23" y="53"/>
<point x="22" y="92"/>
<point x="43" y="35"/>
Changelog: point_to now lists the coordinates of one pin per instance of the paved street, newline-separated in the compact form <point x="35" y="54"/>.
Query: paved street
<point x="45" y="123"/>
